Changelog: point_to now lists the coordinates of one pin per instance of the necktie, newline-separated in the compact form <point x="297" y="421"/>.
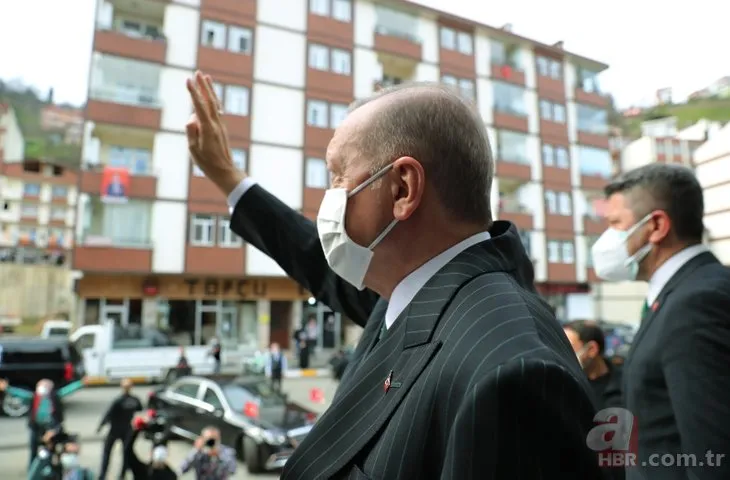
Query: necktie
<point x="645" y="311"/>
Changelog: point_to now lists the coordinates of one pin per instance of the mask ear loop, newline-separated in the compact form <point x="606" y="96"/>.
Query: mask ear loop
<point x="385" y="232"/>
<point x="641" y="253"/>
<point x="370" y="180"/>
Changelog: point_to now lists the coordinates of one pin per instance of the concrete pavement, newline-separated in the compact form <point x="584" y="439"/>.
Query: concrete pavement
<point x="85" y="408"/>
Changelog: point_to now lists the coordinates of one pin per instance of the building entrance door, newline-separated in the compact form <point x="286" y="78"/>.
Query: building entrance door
<point x="118" y="311"/>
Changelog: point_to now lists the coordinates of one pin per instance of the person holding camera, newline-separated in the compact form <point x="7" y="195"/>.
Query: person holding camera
<point x="119" y="418"/>
<point x="58" y="459"/>
<point x="156" y="428"/>
<point x="209" y="459"/>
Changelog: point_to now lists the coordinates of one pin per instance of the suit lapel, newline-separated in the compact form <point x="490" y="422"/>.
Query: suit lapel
<point x="689" y="267"/>
<point x="383" y="376"/>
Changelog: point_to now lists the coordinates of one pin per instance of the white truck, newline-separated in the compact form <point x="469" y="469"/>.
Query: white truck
<point x="112" y="352"/>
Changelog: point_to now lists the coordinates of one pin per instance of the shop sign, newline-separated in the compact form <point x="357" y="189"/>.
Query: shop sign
<point x="212" y="287"/>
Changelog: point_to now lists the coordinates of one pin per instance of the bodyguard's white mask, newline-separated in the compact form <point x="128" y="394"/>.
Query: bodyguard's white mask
<point x="611" y="258"/>
<point x="345" y="257"/>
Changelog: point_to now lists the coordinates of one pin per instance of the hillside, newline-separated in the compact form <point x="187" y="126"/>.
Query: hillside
<point x="714" y="109"/>
<point x="27" y="103"/>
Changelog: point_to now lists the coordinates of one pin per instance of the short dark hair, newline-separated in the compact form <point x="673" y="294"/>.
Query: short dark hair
<point x="444" y="132"/>
<point x="588" y="332"/>
<point x="672" y="188"/>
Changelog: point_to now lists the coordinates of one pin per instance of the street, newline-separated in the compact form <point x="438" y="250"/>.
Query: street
<point x="84" y="409"/>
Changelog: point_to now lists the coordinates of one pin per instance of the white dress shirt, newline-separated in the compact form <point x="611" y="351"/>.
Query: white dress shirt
<point x="406" y="290"/>
<point x="665" y="273"/>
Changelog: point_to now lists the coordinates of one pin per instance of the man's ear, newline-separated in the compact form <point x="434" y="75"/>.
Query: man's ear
<point x="408" y="188"/>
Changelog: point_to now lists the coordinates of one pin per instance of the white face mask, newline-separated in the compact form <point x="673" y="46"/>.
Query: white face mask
<point x="611" y="258"/>
<point x="346" y="258"/>
<point x="69" y="461"/>
<point x="42" y="390"/>
<point x="159" y="454"/>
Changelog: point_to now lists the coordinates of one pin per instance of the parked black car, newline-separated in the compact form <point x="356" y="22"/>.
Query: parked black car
<point x="25" y="360"/>
<point x="261" y="424"/>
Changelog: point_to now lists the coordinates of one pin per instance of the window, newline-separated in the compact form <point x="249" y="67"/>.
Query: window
<point x="567" y="254"/>
<point x="509" y="99"/>
<point x="595" y="162"/>
<point x="136" y="160"/>
<point x="661" y="148"/>
<point x="319" y="57"/>
<point x="553" y="251"/>
<point x="85" y="341"/>
<point x="464" y="86"/>
<point x="31" y="189"/>
<point x="59" y="192"/>
<point x="189" y="390"/>
<point x="554" y="112"/>
<point x="564" y="204"/>
<point x="506" y="55"/>
<point x="29" y="210"/>
<point x="551" y="201"/>
<point x="342" y="10"/>
<point x="212" y="399"/>
<point x="320" y="7"/>
<point x="236" y="101"/>
<point x="561" y="157"/>
<point x="548" y="155"/>
<point x="123" y="224"/>
<point x="338" y="112"/>
<point x="202" y="230"/>
<point x="240" y="39"/>
<point x="58" y="213"/>
<point x="213" y="34"/>
<point x="547" y="67"/>
<point x="316" y="175"/>
<point x="448" y="38"/>
<point x="512" y="147"/>
<point x="677" y="149"/>
<point x="226" y="236"/>
<point x="592" y="120"/>
<point x="341" y="61"/>
<point x="218" y="90"/>
<point x="458" y="41"/>
<point x="317" y="114"/>
<point x="239" y="158"/>
<point x="588" y="81"/>
<point x="397" y="23"/>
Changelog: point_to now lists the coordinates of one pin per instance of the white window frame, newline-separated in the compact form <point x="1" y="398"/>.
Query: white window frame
<point x="207" y="223"/>
<point x="467" y="88"/>
<point x="340" y="61"/>
<point x="551" y="202"/>
<point x="342" y="10"/>
<point x="226" y="237"/>
<point x="338" y="112"/>
<point x="565" y="204"/>
<point x="236" y="35"/>
<point x="562" y="161"/>
<point x="320" y="7"/>
<point x="218" y="90"/>
<point x="567" y="252"/>
<point x="559" y="117"/>
<point x="219" y="34"/>
<point x="450" y="80"/>
<point x="548" y="155"/>
<point x="316" y="174"/>
<point x="240" y="159"/>
<point x="553" y="251"/>
<point x="236" y="100"/>
<point x="546" y="110"/>
<point x="319" y="57"/>
<point x="543" y="66"/>
<point x="556" y="69"/>
<point x="317" y="114"/>
<point x="448" y="38"/>
<point x="465" y="43"/>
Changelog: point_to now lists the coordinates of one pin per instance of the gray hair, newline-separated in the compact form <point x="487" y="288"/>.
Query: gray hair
<point x="445" y="133"/>
<point x="671" y="188"/>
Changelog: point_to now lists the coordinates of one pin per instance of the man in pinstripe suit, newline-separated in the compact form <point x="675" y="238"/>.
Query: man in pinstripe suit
<point x="462" y="372"/>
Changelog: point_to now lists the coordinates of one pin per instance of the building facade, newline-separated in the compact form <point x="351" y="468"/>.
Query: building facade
<point x="286" y="71"/>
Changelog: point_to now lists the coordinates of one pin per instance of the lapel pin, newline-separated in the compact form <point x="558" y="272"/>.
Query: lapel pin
<point x="386" y="385"/>
<point x="655" y="307"/>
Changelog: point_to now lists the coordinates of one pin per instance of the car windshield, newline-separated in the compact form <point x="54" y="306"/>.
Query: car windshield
<point x="261" y="392"/>
<point x="58" y="331"/>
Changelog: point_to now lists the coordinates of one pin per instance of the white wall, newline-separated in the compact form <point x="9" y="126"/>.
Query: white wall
<point x="291" y="14"/>
<point x="92" y="145"/>
<point x="619" y="301"/>
<point x="721" y="249"/>
<point x="192" y="3"/>
<point x="364" y="15"/>
<point x="168" y="236"/>
<point x="427" y="73"/>
<point x="258" y="264"/>
<point x="485" y="99"/>
<point x="538" y="245"/>
<point x="482" y="53"/>
<point x="528" y="63"/>
<point x="533" y="115"/>
<point x="718" y="224"/>
<point x="717" y="146"/>
<point x="638" y="153"/>
<point x="267" y="165"/>
<point x="367" y="71"/>
<point x="571" y="81"/>
<point x="277" y="115"/>
<point x="181" y="30"/>
<point x="575" y="176"/>
<point x="13" y="142"/>
<point x="538" y="204"/>
<point x="280" y="57"/>
<point x="175" y="99"/>
<point x="572" y="117"/>
<point x="429" y="35"/>
<point x="171" y="164"/>
<point x="534" y="153"/>
<point x="581" y="258"/>
<point x="717" y="198"/>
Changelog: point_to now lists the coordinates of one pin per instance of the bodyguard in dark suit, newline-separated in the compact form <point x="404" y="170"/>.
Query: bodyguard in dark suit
<point x="462" y="372"/>
<point x="677" y="374"/>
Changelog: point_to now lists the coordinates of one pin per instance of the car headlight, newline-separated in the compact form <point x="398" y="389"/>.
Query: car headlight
<point x="273" y="438"/>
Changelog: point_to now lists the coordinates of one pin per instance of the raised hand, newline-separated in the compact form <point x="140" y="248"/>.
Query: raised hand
<point x="207" y="137"/>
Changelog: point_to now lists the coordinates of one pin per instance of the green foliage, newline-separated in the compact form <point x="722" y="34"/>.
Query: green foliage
<point x="713" y="109"/>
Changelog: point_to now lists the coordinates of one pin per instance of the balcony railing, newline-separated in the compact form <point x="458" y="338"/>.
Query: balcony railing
<point x="99" y="238"/>
<point x="513" y="206"/>
<point x="126" y="96"/>
<point x="510" y="109"/>
<point x="393" y="32"/>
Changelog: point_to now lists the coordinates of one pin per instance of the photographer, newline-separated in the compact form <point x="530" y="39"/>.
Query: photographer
<point x="118" y="417"/>
<point x="155" y="429"/>
<point x="209" y="459"/>
<point x="58" y="458"/>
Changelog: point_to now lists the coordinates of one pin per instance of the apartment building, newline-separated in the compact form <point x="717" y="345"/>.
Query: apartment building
<point x="286" y="71"/>
<point x="37" y="210"/>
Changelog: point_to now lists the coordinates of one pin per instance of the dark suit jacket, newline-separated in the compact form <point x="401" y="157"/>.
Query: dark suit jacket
<point x="607" y="389"/>
<point x="677" y="374"/>
<point x="484" y="384"/>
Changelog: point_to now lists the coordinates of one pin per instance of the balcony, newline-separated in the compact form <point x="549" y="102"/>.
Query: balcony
<point x="511" y="154"/>
<point x="508" y="72"/>
<point x="517" y="202"/>
<point x="114" y="237"/>
<point x="124" y="92"/>
<point x="587" y="90"/>
<point x="596" y="167"/>
<point x="119" y="147"/>
<point x="131" y="29"/>
<point x="594" y="221"/>
<point x="396" y="33"/>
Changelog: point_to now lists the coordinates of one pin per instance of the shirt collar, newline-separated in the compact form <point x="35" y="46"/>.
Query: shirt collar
<point x="665" y="273"/>
<point x="407" y="289"/>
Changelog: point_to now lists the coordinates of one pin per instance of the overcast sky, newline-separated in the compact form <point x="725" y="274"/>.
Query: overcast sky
<point x="649" y="44"/>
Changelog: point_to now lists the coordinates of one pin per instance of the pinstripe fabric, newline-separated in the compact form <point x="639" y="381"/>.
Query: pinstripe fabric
<point x="484" y="382"/>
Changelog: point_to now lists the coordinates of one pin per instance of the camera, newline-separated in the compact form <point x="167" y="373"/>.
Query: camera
<point x="58" y="442"/>
<point x="156" y="428"/>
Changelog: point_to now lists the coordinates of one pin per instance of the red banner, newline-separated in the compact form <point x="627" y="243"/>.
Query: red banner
<point x="114" y="184"/>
